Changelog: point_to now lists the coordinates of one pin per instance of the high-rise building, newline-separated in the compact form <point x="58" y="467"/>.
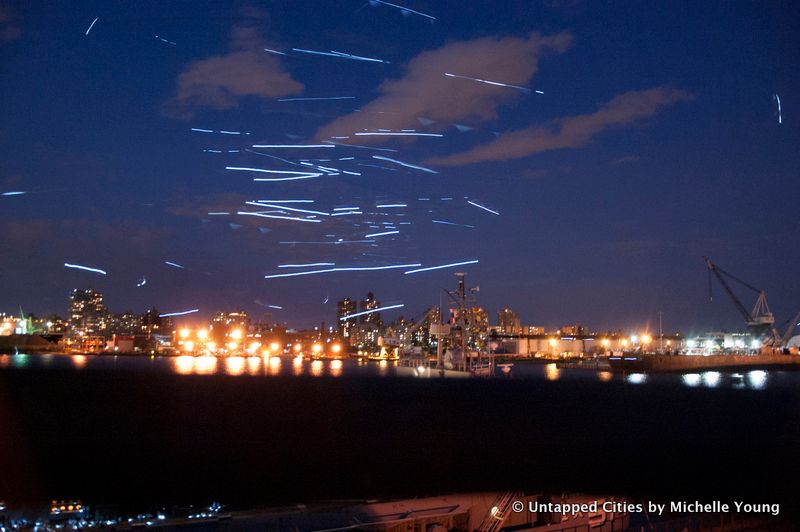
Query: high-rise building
<point x="346" y="326"/>
<point x="478" y="323"/>
<point x="369" y="325"/>
<point x="224" y="323"/>
<point x="88" y="315"/>
<point x="508" y="321"/>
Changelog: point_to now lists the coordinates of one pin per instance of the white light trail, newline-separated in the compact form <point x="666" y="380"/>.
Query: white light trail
<point x="358" y="146"/>
<point x="181" y="313"/>
<point x="306" y="265"/>
<point x="221" y="213"/>
<point x="230" y="132"/>
<point x="382" y="234"/>
<point x="452" y="223"/>
<point x="391" y="206"/>
<point x="452" y="265"/>
<point x="335" y="242"/>
<point x="92" y="25"/>
<point x="174" y="265"/>
<point x="142" y="282"/>
<point x="293" y="209"/>
<point x="14" y="193"/>
<point x="362" y="313"/>
<point x="404" y="9"/>
<point x="275" y="306"/>
<point x="346" y="208"/>
<point x="316" y="99"/>
<point x="407" y="165"/>
<point x="484" y="208"/>
<point x="85" y="268"/>
<point x="293" y="146"/>
<point x="261" y="215"/>
<point x="340" y="55"/>
<point x="275" y="52"/>
<point x="778" y="101"/>
<point x="496" y="83"/>
<point x="297" y="175"/>
<point x="395" y="134"/>
<point x="286" y="201"/>
<point x="199" y="130"/>
<point x="342" y="269"/>
<point x="346" y="213"/>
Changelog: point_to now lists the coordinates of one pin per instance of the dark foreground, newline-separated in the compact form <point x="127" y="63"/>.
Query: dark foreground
<point x="142" y="439"/>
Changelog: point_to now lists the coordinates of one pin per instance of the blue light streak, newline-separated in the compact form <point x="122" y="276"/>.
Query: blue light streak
<point x="452" y="265"/>
<point x="365" y="312"/>
<point x="182" y="313"/>
<point x="175" y="265"/>
<point x="381" y="234"/>
<point x="407" y="165"/>
<point x="92" y="25"/>
<point x="306" y="265"/>
<point x="85" y="268"/>
<point x="482" y="207"/>
<point x="342" y="269"/>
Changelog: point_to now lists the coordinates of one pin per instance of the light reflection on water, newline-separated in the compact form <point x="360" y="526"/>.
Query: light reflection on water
<point x="300" y="366"/>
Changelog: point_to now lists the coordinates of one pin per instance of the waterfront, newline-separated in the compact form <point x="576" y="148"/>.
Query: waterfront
<point x="287" y="366"/>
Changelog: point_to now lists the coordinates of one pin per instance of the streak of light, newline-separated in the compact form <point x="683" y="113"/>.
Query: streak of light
<point x="316" y="99"/>
<point x="293" y="146"/>
<point x="293" y="209"/>
<point x="286" y="201"/>
<point x="180" y="313"/>
<point x="496" y="83"/>
<point x="85" y="268"/>
<point x="346" y="208"/>
<point x="539" y="92"/>
<point x="175" y="265"/>
<point x="142" y="282"/>
<point x="482" y="207"/>
<point x="306" y="265"/>
<point x="162" y="39"/>
<point x="221" y="213"/>
<point x="14" y="193"/>
<point x="391" y="206"/>
<point x="199" y="130"/>
<point x="382" y="234"/>
<point x="359" y="147"/>
<point x="346" y="158"/>
<point x="340" y="55"/>
<point x="404" y="9"/>
<point x="230" y="132"/>
<point x="395" y="134"/>
<point x="452" y="265"/>
<point x="342" y="269"/>
<point x="275" y="306"/>
<point x="275" y="52"/>
<point x="260" y="215"/>
<point x="407" y="165"/>
<point x="92" y="25"/>
<point x="346" y="213"/>
<point x="778" y="101"/>
<point x="335" y="242"/>
<point x="446" y="199"/>
<point x="451" y="223"/>
<point x="365" y="312"/>
<point x="378" y="166"/>
<point x="350" y="173"/>
<point x="298" y="175"/>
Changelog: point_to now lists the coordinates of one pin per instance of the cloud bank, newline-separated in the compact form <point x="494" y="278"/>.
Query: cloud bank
<point x="570" y="132"/>
<point x="220" y="81"/>
<point x="425" y="91"/>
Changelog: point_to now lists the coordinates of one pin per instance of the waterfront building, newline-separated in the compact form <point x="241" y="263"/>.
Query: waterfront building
<point x="88" y="315"/>
<point x="508" y="321"/>
<point x="346" y="327"/>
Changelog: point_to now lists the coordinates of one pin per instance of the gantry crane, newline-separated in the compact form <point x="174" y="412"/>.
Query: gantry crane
<point x="760" y="320"/>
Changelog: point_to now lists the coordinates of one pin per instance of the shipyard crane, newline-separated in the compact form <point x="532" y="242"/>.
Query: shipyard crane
<point x="760" y="320"/>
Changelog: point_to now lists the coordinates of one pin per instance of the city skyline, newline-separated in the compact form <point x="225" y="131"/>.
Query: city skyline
<point x="614" y="154"/>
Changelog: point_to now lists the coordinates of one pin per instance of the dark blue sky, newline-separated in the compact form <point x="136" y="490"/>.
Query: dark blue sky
<point x="656" y="142"/>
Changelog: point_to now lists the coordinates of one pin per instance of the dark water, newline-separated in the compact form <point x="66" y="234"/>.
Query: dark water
<point x="140" y="431"/>
<point x="741" y="379"/>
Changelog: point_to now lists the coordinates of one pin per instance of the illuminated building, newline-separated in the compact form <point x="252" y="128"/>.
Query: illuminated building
<point x="88" y="315"/>
<point x="346" y="327"/>
<point x="369" y="325"/>
<point x="508" y="321"/>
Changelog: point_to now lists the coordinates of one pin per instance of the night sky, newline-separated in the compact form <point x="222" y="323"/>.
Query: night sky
<point x="656" y="141"/>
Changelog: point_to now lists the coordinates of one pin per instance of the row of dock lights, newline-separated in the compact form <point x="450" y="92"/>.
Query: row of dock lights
<point x="198" y="342"/>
